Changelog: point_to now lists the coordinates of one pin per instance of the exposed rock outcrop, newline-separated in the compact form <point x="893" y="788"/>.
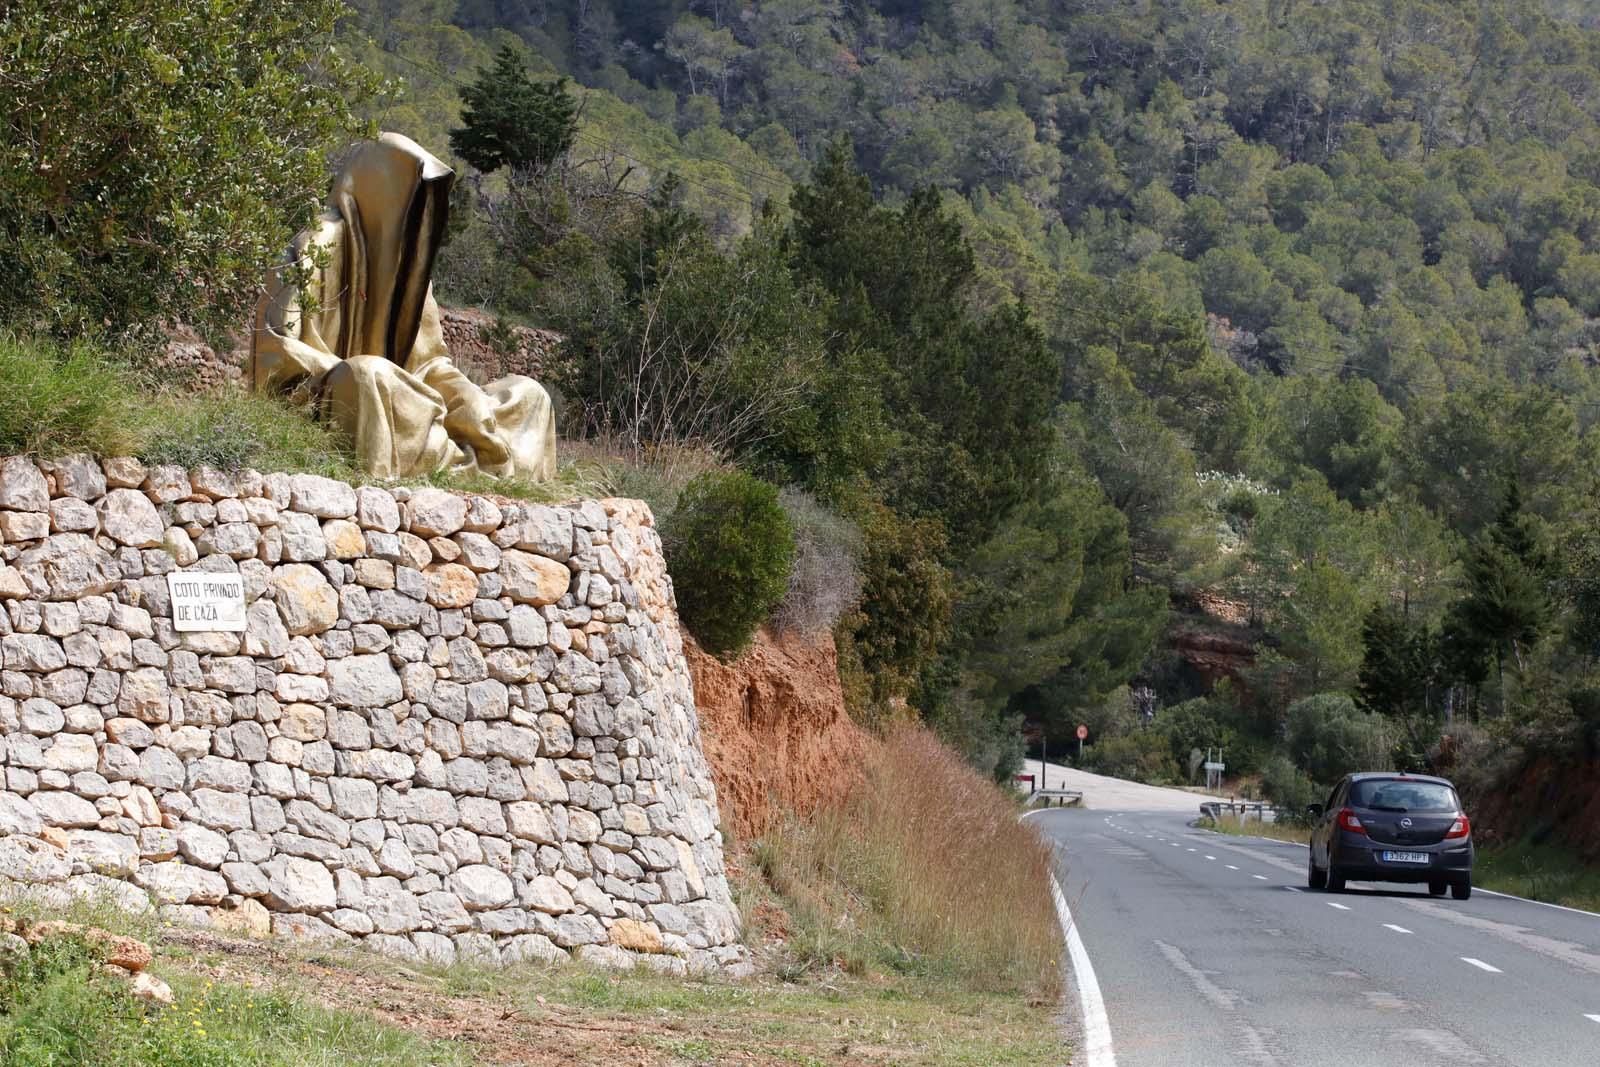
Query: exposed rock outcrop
<point x="775" y="729"/>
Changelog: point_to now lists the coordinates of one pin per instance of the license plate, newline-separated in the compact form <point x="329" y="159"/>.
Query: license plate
<point x="1405" y="857"/>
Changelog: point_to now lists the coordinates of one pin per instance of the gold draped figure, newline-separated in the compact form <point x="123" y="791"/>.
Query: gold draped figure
<point x="368" y="350"/>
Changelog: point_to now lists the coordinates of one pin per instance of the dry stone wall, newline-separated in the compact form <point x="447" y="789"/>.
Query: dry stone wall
<point x="450" y="728"/>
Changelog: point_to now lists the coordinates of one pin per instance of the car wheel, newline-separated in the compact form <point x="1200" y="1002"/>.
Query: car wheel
<point x="1335" y="879"/>
<point x="1437" y="887"/>
<point x="1316" y="877"/>
<point x="1462" y="890"/>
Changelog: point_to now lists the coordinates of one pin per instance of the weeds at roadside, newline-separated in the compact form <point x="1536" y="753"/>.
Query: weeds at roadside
<point x="903" y="877"/>
<point x="1237" y="827"/>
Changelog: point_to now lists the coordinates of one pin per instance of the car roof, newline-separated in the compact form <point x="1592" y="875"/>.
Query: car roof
<point x="1365" y="776"/>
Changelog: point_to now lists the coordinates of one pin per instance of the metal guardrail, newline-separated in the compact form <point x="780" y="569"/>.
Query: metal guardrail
<point x="1215" y="809"/>
<point x="1066" y="798"/>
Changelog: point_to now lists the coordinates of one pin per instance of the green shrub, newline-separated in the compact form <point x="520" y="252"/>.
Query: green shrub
<point x="1142" y="756"/>
<point x="1330" y="737"/>
<point x="1288" y="787"/>
<point x="729" y="548"/>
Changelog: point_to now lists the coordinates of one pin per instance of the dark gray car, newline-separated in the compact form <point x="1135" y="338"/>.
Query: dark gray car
<point x="1392" y="827"/>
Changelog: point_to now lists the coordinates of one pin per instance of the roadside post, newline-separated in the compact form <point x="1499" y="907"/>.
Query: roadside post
<point x="1083" y="731"/>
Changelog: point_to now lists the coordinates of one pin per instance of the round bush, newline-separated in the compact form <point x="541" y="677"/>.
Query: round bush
<point x="729" y="548"/>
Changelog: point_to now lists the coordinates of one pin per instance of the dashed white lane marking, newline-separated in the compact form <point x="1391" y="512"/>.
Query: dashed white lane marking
<point x="1230" y="866"/>
<point x="1593" y="1018"/>
<point x="1263" y="878"/>
<point x="1491" y="968"/>
<point x="1396" y="929"/>
<point x="1176" y="845"/>
<point x="1341" y="907"/>
<point x="1290" y="888"/>
<point x="1211" y="857"/>
<point x="1191" y="850"/>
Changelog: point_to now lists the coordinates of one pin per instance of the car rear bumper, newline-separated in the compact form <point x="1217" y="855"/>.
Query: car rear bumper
<point x="1362" y="860"/>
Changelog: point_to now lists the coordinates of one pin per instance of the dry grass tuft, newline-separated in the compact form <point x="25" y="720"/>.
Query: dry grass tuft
<point x="925" y="869"/>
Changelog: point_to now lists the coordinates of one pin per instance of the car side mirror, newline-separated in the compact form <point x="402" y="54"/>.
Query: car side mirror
<point x="1314" y="810"/>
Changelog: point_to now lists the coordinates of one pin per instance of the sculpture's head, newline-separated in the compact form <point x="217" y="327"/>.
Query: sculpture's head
<point x="394" y="198"/>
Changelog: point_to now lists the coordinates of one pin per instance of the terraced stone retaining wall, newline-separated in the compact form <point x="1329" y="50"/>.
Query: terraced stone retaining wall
<point x="452" y="726"/>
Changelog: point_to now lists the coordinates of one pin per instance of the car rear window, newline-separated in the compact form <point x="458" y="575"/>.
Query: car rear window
<point x="1399" y="794"/>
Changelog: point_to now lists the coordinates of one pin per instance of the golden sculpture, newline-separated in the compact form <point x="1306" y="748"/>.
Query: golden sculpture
<point x="368" y="349"/>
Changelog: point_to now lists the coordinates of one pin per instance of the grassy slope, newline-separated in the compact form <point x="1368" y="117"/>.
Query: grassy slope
<point x="55" y="401"/>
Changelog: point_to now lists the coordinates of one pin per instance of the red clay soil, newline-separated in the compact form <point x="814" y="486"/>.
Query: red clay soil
<point x="1545" y="793"/>
<point x="775" y="730"/>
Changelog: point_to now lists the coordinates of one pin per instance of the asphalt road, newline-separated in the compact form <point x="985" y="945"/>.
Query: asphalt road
<point x="1210" y="950"/>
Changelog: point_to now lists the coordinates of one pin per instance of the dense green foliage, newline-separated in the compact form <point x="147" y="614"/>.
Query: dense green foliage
<point x="155" y="155"/>
<point x="730" y="547"/>
<point x="1269" y="324"/>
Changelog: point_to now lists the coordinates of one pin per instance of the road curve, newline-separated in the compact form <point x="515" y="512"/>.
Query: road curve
<point x="1211" y="952"/>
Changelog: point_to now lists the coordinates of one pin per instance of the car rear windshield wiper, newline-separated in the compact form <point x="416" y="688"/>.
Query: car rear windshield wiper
<point x="1387" y="807"/>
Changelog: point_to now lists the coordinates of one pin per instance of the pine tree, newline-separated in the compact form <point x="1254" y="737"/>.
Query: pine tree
<point x="510" y="120"/>
<point x="1508" y="606"/>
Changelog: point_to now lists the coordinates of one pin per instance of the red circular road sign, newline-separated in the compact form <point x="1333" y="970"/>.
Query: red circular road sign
<point x="1083" y="731"/>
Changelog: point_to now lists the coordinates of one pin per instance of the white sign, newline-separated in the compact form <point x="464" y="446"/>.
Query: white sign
<point x="202" y="601"/>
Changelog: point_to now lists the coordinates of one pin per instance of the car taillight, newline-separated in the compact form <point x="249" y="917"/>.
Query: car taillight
<point x="1460" y="828"/>
<point x="1348" y="821"/>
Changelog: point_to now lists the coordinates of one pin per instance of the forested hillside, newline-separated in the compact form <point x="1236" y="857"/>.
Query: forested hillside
<point x="1084" y="313"/>
<point x="1051" y="329"/>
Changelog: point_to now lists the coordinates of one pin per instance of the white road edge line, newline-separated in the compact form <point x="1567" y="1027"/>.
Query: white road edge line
<point x="1396" y="929"/>
<point x="1097" y="1049"/>
<point x="1341" y="907"/>
<point x="1481" y="965"/>
<point x="1096" y="1026"/>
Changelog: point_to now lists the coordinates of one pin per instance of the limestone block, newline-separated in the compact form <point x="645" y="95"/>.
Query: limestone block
<point x="531" y="948"/>
<point x="307" y="603"/>
<point x="322" y="497"/>
<point x="69" y="514"/>
<point x="61" y="808"/>
<point x="157" y="769"/>
<point x="71" y="753"/>
<point x="435" y="512"/>
<point x="534" y="580"/>
<point x="22" y="485"/>
<point x="529" y="821"/>
<point x="28" y="859"/>
<point x="444" y="911"/>
<point x="481" y="888"/>
<point x="300" y="885"/>
<point x="376" y="509"/>
<point x="36" y="653"/>
<point x="221" y="811"/>
<point x="17" y="816"/>
<point x="450" y="585"/>
<point x="78" y="477"/>
<point x="547" y="531"/>
<point x="364" y="682"/>
<point x="128" y="517"/>
<point x="343" y="538"/>
<point x="202" y="846"/>
<point x="574" y="929"/>
<point x="181" y="883"/>
<point x="477" y="551"/>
